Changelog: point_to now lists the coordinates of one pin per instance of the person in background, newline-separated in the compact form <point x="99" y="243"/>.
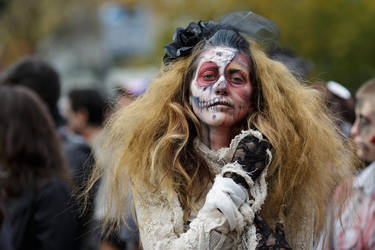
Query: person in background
<point x="35" y="183"/>
<point x="127" y="237"/>
<point x="128" y="91"/>
<point x="85" y="113"/>
<point x="42" y="78"/>
<point x="363" y="130"/>
<point x="340" y="102"/>
<point x="354" y="227"/>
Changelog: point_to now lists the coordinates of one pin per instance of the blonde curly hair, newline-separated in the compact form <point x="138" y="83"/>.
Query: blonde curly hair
<point x="150" y="144"/>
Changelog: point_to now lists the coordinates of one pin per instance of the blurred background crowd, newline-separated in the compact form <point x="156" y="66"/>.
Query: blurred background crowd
<point x="66" y="65"/>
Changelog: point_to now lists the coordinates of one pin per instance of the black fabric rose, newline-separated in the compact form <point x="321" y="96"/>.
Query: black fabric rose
<point x="184" y="40"/>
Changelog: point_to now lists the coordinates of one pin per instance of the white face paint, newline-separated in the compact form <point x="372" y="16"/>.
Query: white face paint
<point x="221" y="89"/>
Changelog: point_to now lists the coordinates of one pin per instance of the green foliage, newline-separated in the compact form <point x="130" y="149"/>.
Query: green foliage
<point x="337" y="36"/>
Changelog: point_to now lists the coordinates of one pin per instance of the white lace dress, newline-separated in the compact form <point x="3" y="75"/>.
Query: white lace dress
<point x="160" y="217"/>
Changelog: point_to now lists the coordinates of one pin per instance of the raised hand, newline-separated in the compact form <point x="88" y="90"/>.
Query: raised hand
<point x="251" y="153"/>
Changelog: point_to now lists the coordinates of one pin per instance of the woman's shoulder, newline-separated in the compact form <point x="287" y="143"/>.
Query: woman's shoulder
<point x="159" y="197"/>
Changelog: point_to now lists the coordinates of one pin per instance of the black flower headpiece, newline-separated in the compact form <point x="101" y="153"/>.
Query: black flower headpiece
<point x="251" y="25"/>
<point x="184" y="40"/>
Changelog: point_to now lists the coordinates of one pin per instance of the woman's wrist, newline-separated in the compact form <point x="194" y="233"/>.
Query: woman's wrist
<point x="237" y="179"/>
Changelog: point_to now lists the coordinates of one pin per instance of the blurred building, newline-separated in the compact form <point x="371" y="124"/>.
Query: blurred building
<point x="93" y="41"/>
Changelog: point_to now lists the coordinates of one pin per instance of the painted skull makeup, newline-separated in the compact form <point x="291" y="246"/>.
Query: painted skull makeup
<point x="363" y="131"/>
<point x="221" y="89"/>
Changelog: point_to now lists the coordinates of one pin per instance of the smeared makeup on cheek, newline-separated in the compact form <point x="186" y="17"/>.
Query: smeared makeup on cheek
<point x="242" y="92"/>
<point x="196" y="101"/>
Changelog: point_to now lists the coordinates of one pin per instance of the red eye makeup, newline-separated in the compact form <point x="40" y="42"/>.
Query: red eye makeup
<point x="208" y="74"/>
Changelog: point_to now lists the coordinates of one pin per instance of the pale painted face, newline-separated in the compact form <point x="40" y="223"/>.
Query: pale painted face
<point x="363" y="131"/>
<point x="221" y="89"/>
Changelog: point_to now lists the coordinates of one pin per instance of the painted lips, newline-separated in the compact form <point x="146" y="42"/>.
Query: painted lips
<point x="215" y="102"/>
<point x="220" y="104"/>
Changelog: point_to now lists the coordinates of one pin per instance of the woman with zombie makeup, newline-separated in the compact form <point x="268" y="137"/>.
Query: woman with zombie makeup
<point x="226" y="149"/>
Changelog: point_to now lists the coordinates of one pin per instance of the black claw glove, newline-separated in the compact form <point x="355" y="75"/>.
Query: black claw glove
<point x="268" y="239"/>
<point x="251" y="153"/>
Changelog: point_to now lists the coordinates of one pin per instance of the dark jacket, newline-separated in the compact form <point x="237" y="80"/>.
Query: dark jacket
<point x="81" y="161"/>
<point x="78" y="155"/>
<point x="41" y="218"/>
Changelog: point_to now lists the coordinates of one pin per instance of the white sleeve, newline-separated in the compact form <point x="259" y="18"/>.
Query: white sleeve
<point x="161" y="227"/>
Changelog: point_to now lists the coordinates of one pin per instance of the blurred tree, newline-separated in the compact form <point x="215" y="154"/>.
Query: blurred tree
<point x="3" y="5"/>
<point x="336" y="35"/>
<point x="24" y="23"/>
